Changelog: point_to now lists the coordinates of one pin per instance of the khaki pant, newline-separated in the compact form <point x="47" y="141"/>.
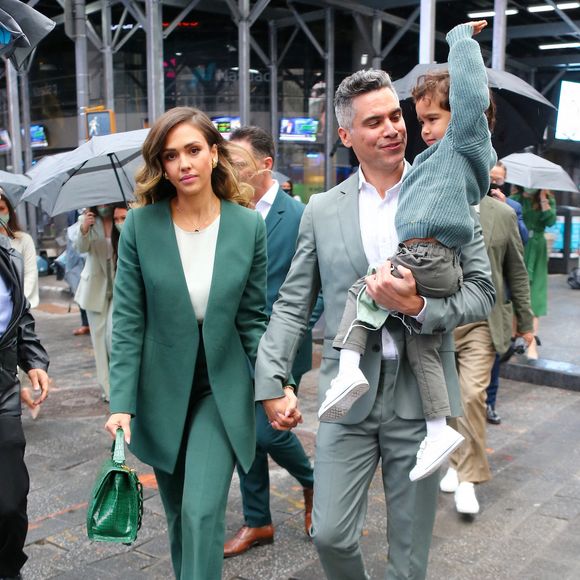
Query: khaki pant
<point x="475" y="356"/>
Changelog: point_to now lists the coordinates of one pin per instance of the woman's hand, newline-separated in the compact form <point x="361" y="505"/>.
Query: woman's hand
<point x="122" y="420"/>
<point x="88" y="222"/>
<point x="478" y="26"/>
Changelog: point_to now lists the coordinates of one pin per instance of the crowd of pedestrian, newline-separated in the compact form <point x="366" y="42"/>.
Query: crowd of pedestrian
<point x="201" y="300"/>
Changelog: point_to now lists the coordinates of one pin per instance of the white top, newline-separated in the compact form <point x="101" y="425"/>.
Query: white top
<point x="379" y="236"/>
<point x="197" y="253"/>
<point x="267" y="200"/>
<point x="24" y="244"/>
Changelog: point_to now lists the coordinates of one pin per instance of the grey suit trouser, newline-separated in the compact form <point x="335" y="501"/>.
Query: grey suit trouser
<point x="346" y="460"/>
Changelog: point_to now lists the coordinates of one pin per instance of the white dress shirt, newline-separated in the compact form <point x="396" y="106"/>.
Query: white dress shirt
<point x="379" y="236"/>
<point x="267" y="200"/>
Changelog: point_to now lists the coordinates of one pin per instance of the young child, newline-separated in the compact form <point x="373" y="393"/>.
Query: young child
<point x="433" y="218"/>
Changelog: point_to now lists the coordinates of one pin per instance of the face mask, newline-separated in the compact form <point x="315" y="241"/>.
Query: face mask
<point x="104" y="211"/>
<point x="4" y="217"/>
<point x="119" y="226"/>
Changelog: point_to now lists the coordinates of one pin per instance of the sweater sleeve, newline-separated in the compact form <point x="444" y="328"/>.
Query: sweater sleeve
<point x="469" y="92"/>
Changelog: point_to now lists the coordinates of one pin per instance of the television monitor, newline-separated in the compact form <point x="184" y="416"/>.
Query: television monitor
<point x="568" y="121"/>
<point x="226" y="124"/>
<point x="5" y="142"/>
<point x="298" y="129"/>
<point x="38" y="136"/>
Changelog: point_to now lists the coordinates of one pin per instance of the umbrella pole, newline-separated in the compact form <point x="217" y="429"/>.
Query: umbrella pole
<point x="110" y="155"/>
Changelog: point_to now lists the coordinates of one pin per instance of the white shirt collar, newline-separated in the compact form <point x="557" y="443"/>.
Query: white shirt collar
<point x="267" y="200"/>
<point x="363" y="183"/>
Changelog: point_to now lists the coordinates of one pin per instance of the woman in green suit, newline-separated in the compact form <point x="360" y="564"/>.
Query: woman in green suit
<point x="188" y="313"/>
<point x="539" y="211"/>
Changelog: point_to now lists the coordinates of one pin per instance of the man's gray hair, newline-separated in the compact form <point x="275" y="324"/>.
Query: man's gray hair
<point x="358" y="83"/>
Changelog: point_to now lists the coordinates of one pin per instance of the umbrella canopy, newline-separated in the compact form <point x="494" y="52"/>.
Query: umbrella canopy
<point x="13" y="185"/>
<point x="100" y="171"/>
<point x="521" y="117"/>
<point x="21" y="29"/>
<point x="529" y="170"/>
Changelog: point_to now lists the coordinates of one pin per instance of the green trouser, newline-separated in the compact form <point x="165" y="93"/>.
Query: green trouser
<point x="346" y="460"/>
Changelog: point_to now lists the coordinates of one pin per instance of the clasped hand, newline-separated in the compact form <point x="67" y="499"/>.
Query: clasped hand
<point x="283" y="412"/>
<point x="393" y="293"/>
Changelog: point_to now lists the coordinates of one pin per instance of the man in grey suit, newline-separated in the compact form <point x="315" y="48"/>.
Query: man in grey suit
<point x="342" y="231"/>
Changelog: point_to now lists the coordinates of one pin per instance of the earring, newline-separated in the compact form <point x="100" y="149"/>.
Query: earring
<point x="214" y="162"/>
<point x="164" y="175"/>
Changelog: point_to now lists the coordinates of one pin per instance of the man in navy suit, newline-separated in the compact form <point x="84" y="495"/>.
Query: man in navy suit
<point x="282" y="215"/>
<point x="498" y="176"/>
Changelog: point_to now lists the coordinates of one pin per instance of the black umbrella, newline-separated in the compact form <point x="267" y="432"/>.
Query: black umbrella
<point x="521" y="118"/>
<point x="21" y="29"/>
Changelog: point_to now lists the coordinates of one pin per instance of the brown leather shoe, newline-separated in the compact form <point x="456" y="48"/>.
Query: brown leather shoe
<point x="81" y="330"/>
<point x="308" y="497"/>
<point x="247" y="538"/>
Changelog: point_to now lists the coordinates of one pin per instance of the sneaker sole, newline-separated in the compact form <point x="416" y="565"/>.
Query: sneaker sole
<point x="437" y="463"/>
<point x="342" y="404"/>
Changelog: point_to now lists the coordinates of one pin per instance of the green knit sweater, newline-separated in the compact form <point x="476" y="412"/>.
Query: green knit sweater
<point x="453" y="173"/>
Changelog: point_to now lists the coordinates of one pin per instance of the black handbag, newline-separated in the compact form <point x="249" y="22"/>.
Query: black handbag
<point x="116" y="507"/>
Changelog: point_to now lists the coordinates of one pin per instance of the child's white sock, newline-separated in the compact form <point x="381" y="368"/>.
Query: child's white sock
<point x="349" y="359"/>
<point x="435" y="427"/>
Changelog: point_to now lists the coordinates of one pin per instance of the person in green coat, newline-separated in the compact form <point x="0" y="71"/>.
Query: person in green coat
<point x="189" y="309"/>
<point x="539" y="209"/>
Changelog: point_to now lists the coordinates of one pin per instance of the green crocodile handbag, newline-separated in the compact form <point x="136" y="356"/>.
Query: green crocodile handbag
<point x="116" y="506"/>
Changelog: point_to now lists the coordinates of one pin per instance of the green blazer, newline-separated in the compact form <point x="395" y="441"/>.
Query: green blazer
<point x="508" y="272"/>
<point x="155" y="331"/>
<point x="330" y="255"/>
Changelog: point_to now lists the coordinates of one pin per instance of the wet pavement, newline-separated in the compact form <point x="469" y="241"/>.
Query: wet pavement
<point x="528" y="527"/>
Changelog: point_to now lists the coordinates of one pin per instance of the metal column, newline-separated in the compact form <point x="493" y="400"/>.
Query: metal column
<point x="81" y="68"/>
<point x="273" y="80"/>
<point x="155" y="79"/>
<point x="14" y="129"/>
<point x="329" y="132"/>
<point x="377" y="39"/>
<point x="499" y="35"/>
<point x="427" y="32"/>
<point x="26" y="146"/>
<point x="107" y="36"/>
<point x="244" y="60"/>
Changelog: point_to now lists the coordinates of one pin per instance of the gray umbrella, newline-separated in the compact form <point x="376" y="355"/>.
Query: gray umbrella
<point x="521" y="117"/>
<point x="21" y="29"/>
<point x="13" y="185"/>
<point x="100" y="171"/>
<point x="529" y="170"/>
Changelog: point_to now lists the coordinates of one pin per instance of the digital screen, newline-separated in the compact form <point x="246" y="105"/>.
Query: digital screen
<point x="298" y="129"/>
<point x="225" y="125"/>
<point x="5" y="142"/>
<point x="99" y="123"/>
<point x="568" y="122"/>
<point x="38" y="136"/>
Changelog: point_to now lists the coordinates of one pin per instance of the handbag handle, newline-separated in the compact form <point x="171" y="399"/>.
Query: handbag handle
<point x="119" y="447"/>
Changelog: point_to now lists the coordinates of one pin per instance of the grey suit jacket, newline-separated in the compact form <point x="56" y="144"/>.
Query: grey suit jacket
<point x="330" y="256"/>
<point x="508" y="272"/>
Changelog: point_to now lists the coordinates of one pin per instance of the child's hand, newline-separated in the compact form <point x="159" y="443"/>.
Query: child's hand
<point x="478" y="26"/>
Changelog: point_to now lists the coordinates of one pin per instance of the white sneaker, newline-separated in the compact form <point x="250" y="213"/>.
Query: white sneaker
<point x="465" y="500"/>
<point x="433" y="452"/>
<point x="450" y="481"/>
<point x="344" y="390"/>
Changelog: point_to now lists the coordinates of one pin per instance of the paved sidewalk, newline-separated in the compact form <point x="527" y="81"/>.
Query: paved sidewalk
<point x="528" y="528"/>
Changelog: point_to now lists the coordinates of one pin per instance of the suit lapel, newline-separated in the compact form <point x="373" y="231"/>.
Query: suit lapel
<point x="486" y="218"/>
<point x="348" y="219"/>
<point x="276" y="213"/>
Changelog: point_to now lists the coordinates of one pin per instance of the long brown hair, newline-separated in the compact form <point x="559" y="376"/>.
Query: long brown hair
<point x="152" y="187"/>
<point x="13" y="224"/>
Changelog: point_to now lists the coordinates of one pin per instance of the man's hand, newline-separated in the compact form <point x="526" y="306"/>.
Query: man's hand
<point x="527" y="336"/>
<point x="395" y="294"/>
<point x="283" y="412"/>
<point x="122" y="420"/>
<point x="39" y="380"/>
<point x="497" y="194"/>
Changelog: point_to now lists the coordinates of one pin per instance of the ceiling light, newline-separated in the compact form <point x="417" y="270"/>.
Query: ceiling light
<point x="491" y="13"/>
<point x="560" y="45"/>
<point x="548" y="8"/>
